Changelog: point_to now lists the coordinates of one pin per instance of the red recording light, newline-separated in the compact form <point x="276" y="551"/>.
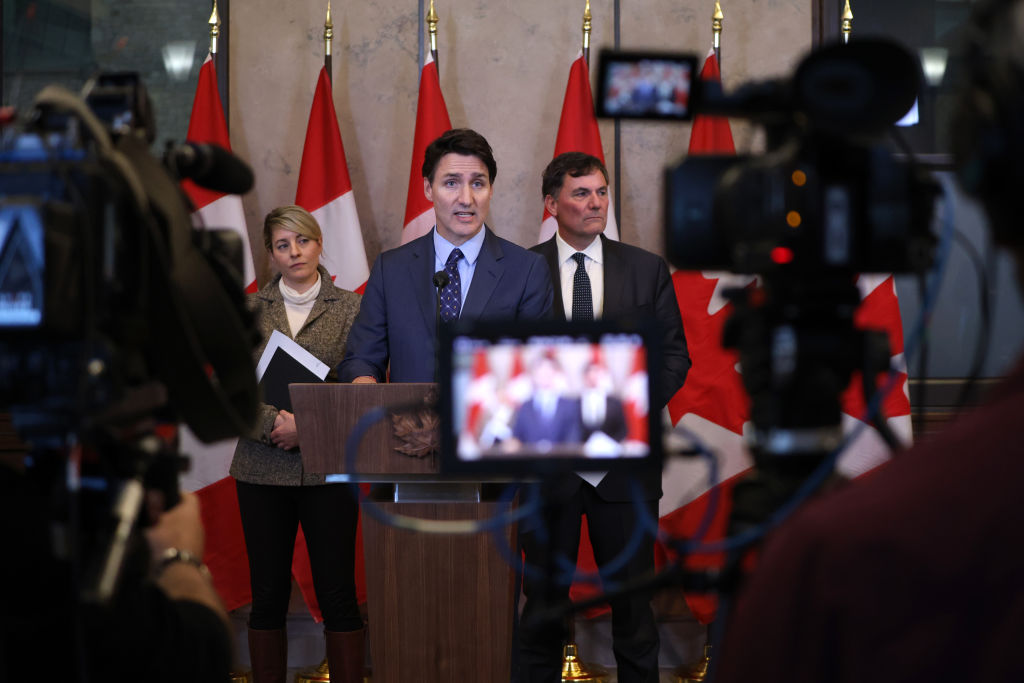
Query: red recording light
<point x="782" y="255"/>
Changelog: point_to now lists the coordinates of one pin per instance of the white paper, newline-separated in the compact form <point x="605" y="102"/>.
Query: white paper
<point x="279" y="340"/>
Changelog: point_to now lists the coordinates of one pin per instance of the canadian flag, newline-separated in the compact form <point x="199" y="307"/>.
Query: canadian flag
<point x="578" y="132"/>
<point x="714" y="406"/>
<point x="216" y="209"/>
<point x="431" y="121"/>
<point x="225" y="546"/>
<point x="325" y="190"/>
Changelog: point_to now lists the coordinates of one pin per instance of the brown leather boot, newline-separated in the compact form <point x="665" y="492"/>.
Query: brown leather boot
<point x="345" y="652"/>
<point x="268" y="652"/>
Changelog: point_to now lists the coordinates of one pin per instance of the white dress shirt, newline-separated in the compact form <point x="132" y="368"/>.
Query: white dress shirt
<point x="467" y="264"/>
<point x="593" y="264"/>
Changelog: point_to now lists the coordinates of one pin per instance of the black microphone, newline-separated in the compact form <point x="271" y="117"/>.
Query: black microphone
<point x="440" y="282"/>
<point x="210" y="166"/>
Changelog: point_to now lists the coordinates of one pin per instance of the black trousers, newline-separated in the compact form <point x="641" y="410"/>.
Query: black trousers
<point x="270" y="519"/>
<point x="634" y="629"/>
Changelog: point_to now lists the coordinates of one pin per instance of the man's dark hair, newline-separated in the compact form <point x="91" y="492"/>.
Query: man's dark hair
<point x="459" y="141"/>
<point x="576" y="164"/>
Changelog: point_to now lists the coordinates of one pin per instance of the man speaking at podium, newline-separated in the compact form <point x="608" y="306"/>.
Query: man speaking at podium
<point x="484" y="276"/>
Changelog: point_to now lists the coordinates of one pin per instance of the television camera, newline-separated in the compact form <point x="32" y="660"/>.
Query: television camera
<point x="826" y="201"/>
<point x="117" y="320"/>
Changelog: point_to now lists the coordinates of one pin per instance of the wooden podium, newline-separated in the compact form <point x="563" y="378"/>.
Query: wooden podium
<point x="440" y="606"/>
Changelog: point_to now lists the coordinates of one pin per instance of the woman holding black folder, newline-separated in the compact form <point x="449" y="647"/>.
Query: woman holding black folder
<point x="275" y="495"/>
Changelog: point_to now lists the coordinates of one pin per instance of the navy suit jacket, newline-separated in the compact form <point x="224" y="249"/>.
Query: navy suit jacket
<point x="636" y="284"/>
<point x="397" y="323"/>
<point x="562" y="427"/>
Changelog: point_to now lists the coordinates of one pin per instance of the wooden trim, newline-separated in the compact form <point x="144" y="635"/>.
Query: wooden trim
<point x="941" y="406"/>
<point x="825" y="18"/>
<point x="221" y="59"/>
<point x="942" y="393"/>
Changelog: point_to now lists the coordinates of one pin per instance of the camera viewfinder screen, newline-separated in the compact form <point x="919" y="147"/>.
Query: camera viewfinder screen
<point x="21" y="266"/>
<point x="584" y="398"/>
<point x="646" y="86"/>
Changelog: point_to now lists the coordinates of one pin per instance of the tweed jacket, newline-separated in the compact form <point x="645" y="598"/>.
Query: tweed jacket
<point x="323" y="334"/>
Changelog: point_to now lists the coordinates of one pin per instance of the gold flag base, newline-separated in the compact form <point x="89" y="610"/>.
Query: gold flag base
<point x="314" y="674"/>
<point x="696" y="672"/>
<point x="318" y="674"/>
<point x="239" y="677"/>
<point x="573" y="669"/>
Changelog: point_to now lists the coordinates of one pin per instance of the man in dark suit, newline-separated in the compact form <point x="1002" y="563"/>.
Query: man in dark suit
<point x="594" y="278"/>
<point x="488" y="277"/>
<point x="548" y="418"/>
<point x="599" y="410"/>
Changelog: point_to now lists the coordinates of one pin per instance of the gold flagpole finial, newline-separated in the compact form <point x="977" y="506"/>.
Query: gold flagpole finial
<point x="214" y="23"/>
<point x="847" y="24"/>
<point x="328" y="31"/>
<point x="716" y="24"/>
<point x="587" y="17"/>
<point x="432" y="20"/>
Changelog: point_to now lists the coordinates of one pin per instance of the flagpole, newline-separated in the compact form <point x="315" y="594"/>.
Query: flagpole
<point x="587" y="16"/>
<point x="214" y="24"/>
<point x="846" y="25"/>
<point x="328" y="39"/>
<point x="716" y="30"/>
<point x="220" y="65"/>
<point x="432" y="20"/>
<point x="573" y="667"/>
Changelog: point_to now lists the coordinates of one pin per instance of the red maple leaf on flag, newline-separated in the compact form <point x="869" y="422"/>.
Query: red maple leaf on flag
<point x="714" y="392"/>
<point x="713" y="387"/>
<point x="880" y="310"/>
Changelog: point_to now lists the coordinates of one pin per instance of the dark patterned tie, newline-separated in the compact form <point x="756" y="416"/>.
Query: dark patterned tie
<point x="582" y="298"/>
<point x="451" y="295"/>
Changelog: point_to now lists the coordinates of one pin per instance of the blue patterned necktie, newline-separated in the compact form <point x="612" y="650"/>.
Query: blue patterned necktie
<point x="451" y="294"/>
<point x="582" y="297"/>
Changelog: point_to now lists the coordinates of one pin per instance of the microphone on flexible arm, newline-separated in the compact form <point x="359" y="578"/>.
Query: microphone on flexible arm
<point x="440" y="281"/>
<point x="210" y="166"/>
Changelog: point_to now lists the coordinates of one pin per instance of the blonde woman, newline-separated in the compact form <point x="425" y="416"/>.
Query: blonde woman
<point x="275" y="495"/>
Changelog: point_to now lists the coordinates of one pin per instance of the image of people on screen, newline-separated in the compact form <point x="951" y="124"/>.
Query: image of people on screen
<point x="560" y="400"/>
<point x="648" y="87"/>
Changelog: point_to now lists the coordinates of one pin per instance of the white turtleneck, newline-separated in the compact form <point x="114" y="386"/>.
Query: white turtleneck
<point x="297" y="305"/>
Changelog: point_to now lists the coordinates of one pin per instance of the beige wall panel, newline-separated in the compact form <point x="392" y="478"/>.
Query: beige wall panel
<point x="503" y="69"/>
<point x="276" y="54"/>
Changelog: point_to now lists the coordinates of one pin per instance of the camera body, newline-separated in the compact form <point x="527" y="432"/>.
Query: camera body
<point x="827" y="200"/>
<point x="817" y="204"/>
<point x="828" y="196"/>
<point x="112" y="307"/>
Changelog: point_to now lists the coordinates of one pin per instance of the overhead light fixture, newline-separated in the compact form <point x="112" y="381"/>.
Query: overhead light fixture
<point x="933" y="61"/>
<point x="178" y="58"/>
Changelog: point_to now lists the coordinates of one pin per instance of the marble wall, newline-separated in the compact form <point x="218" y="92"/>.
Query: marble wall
<point x="503" y="69"/>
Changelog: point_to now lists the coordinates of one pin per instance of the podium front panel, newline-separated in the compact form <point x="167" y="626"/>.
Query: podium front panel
<point x="440" y="606"/>
<point x="325" y="415"/>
